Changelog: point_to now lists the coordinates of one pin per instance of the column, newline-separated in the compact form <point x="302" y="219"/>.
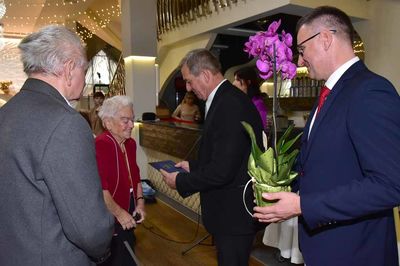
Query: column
<point x="139" y="49"/>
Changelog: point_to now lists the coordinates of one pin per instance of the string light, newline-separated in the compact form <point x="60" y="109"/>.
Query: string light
<point x="94" y="20"/>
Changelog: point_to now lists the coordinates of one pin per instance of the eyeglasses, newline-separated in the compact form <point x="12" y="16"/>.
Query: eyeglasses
<point x="300" y="47"/>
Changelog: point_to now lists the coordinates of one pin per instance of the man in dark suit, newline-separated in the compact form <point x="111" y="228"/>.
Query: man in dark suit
<point x="51" y="203"/>
<point x="350" y="156"/>
<point x="220" y="173"/>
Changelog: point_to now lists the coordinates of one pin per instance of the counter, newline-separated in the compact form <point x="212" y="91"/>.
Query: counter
<point x="163" y="140"/>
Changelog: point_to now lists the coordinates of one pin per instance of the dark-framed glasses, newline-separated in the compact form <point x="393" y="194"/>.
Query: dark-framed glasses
<point x="300" y="47"/>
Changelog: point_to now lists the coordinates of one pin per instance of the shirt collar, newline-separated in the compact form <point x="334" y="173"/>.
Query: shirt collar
<point x="66" y="100"/>
<point x="211" y="96"/>
<point x="333" y="79"/>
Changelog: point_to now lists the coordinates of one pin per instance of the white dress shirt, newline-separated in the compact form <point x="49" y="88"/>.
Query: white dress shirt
<point x="211" y="97"/>
<point x="332" y="80"/>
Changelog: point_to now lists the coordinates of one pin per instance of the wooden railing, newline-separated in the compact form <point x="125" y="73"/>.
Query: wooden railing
<point x="174" y="13"/>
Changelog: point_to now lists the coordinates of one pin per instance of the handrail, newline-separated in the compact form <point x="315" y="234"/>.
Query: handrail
<point x="174" y="13"/>
<point x="117" y="84"/>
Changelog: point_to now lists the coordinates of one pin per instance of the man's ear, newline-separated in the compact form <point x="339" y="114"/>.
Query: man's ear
<point x="68" y="67"/>
<point x="327" y="38"/>
<point x="206" y="74"/>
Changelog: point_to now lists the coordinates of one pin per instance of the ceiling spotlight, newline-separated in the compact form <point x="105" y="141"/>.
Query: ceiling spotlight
<point x="2" y="8"/>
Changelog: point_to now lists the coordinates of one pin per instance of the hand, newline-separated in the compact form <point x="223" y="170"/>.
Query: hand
<point x="287" y="206"/>
<point x="169" y="178"/>
<point x="140" y="210"/>
<point x="184" y="165"/>
<point x="126" y="220"/>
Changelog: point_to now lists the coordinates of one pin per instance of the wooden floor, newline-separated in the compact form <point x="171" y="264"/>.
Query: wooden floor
<point x="162" y="223"/>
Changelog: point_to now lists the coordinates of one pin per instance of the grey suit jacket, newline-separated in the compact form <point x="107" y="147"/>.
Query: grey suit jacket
<point x="51" y="204"/>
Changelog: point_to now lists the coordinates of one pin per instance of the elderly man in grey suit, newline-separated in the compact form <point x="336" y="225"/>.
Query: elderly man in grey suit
<point x="51" y="204"/>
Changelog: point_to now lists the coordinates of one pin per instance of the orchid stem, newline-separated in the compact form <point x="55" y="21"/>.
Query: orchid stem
<point x="274" y="108"/>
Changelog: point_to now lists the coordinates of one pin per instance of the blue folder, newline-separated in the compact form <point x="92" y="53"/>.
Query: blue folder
<point x="168" y="166"/>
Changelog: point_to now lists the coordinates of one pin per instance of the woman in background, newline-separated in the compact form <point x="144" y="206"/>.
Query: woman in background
<point x="188" y="109"/>
<point x="246" y="80"/>
<point x="119" y="173"/>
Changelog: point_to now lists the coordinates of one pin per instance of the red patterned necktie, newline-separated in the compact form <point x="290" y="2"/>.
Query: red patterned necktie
<point x="322" y="97"/>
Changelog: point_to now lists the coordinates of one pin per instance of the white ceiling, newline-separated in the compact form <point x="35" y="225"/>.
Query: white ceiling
<point x="102" y="17"/>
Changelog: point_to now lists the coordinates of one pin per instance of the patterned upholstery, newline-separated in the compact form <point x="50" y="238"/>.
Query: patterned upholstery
<point x="192" y="202"/>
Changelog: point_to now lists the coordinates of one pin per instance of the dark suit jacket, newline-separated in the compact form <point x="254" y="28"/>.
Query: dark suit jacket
<point x="350" y="176"/>
<point x="51" y="203"/>
<point x="220" y="172"/>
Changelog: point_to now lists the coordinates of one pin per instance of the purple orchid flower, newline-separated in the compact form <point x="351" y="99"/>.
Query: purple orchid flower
<point x="273" y="27"/>
<point x="261" y="46"/>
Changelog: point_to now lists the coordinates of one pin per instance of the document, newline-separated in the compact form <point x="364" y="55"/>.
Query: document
<point x="168" y="166"/>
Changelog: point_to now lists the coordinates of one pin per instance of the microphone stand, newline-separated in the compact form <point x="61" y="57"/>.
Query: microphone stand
<point x="198" y="242"/>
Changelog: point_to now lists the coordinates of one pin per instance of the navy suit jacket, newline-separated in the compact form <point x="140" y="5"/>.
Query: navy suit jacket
<point x="220" y="172"/>
<point x="350" y="174"/>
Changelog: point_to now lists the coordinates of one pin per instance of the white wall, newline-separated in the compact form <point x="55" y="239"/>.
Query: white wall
<point x="169" y="56"/>
<point x="381" y="36"/>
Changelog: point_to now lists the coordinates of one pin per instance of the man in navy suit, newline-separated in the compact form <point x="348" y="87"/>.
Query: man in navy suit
<point x="220" y="173"/>
<point x="349" y="162"/>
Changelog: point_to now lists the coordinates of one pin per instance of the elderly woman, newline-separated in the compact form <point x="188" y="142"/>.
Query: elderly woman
<point x="116" y="160"/>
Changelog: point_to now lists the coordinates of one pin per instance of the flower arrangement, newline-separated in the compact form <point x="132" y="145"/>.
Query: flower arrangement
<point x="271" y="170"/>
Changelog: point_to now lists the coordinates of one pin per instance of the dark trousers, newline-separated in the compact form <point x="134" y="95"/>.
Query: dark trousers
<point x="233" y="250"/>
<point x="120" y="256"/>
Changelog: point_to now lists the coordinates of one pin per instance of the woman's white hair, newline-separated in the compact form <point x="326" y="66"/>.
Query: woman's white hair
<point x="47" y="50"/>
<point x="111" y="106"/>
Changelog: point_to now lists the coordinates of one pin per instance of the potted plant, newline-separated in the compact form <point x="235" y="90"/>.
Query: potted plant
<point x="271" y="171"/>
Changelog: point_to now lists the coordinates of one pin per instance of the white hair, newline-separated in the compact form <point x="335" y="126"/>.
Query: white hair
<point x="47" y="50"/>
<point x="111" y="106"/>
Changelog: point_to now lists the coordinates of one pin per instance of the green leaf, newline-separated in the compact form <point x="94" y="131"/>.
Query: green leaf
<point x="282" y="139"/>
<point x="262" y="166"/>
<point x="287" y="157"/>
<point x="285" y="147"/>
<point x="251" y="166"/>
<point x="255" y="150"/>
<point x="284" y="170"/>
<point x="289" y="180"/>
<point x="266" y="160"/>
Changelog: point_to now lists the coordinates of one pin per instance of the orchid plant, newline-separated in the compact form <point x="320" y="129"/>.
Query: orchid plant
<point x="272" y="50"/>
<point x="271" y="170"/>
